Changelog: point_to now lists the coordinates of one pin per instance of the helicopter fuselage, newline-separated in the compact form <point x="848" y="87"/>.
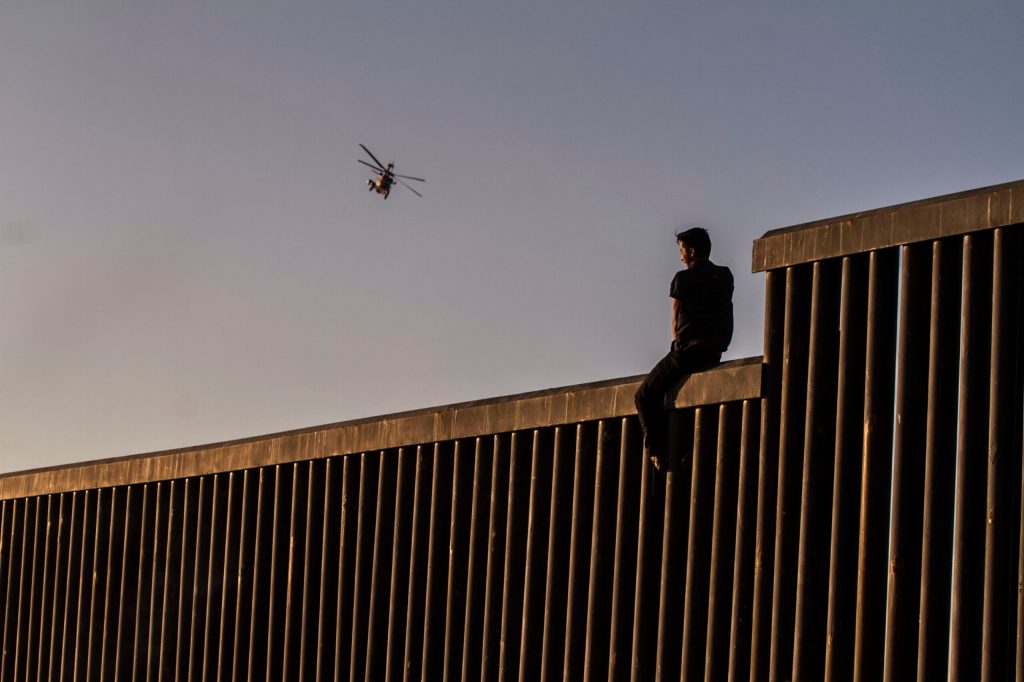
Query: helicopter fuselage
<point x="382" y="183"/>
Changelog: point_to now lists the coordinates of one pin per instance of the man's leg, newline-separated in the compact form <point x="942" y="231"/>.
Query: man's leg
<point x="650" y="403"/>
<point x="651" y="396"/>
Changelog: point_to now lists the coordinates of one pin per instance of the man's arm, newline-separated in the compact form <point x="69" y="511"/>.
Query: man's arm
<point x="675" y="317"/>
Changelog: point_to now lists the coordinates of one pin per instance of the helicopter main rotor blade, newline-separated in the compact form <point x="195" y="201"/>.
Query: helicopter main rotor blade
<point x="411" y="189"/>
<point x="408" y="177"/>
<point x="371" y="155"/>
<point x="376" y="168"/>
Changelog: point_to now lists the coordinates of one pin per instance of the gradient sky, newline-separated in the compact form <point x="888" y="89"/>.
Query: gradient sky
<point x="188" y="251"/>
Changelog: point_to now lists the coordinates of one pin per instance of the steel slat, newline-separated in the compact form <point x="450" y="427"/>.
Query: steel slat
<point x="908" y="466"/>
<point x="840" y="630"/>
<point x="811" y="598"/>
<point x="627" y="512"/>
<point x="723" y="541"/>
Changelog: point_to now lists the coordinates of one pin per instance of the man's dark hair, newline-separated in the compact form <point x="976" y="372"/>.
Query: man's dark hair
<point x="697" y="239"/>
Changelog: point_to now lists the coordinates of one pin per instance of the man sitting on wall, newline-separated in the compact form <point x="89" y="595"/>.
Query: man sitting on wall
<point x="701" y="331"/>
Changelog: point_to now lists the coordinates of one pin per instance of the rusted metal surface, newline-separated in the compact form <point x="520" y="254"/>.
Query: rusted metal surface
<point x="847" y="506"/>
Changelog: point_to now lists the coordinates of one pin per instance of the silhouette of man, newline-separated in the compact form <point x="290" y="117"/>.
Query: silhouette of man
<point x="701" y="331"/>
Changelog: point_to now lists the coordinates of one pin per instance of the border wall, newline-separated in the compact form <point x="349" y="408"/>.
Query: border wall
<point x="846" y="507"/>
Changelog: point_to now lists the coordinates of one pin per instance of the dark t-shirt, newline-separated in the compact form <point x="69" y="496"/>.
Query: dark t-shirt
<point x="704" y="318"/>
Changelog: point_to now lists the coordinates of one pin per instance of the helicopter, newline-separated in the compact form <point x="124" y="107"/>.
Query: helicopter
<point x="386" y="176"/>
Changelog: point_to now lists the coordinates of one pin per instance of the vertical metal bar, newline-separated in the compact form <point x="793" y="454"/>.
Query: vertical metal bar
<point x="940" y="458"/>
<point x="725" y="518"/>
<point x="537" y="530"/>
<point x="513" y="574"/>
<point x="20" y="611"/>
<point x="380" y="577"/>
<point x="243" y="573"/>
<point x="346" y="564"/>
<point x="476" y="575"/>
<point x="627" y="513"/>
<point x="767" y="474"/>
<point x="602" y="548"/>
<point x="17" y="584"/>
<point x="167" y="643"/>
<point x="432" y="661"/>
<point x="459" y="522"/>
<point x="330" y="558"/>
<point x="417" y="557"/>
<point x="13" y="565"/>
<point x="67" y="644"/>
<point x="178" y="587"/>
<point x="1016" y="549"/>
<point x="743" y="553"/>
<point x="787" y="513"/>
<point x="6" y="512"/>
<point x="1019" y="648"/>
<point x="84" y="593"/>
<point x="1015" y="644"/>
<point x="97" y="580"/>
<point x="220" y="511"/>
<point x="908" y="465"/>
<point x="969" y="524"/>
<point x="556" y="572"/>
<point x="295" y="568"/>
<point x="59" y="587"/>
<point x="228" y="580"/>
<point x="26" y="584"/>
<point x="205" y="519"/>
<point x="115" y="577"/>
<point x="811" y="611"/>
<point x="842" y="586"/>
<point x="313" y="568"/>
<point x="400" y="567"/>
<point x="648" y="566"/>
<point x="33" y="596"/>
<point x="32" y="592"/>
<point x="130" y="569"/>
<point x="184" y="555"/>
<point x="45" y="583"/>
<point x="163" y="516"/>
<point x="139" y="643"/>
<point x="280" y="527"/>
<point x="675" y="524"/>
<point x="38" y="662"/>
<point x="491" y="621"/>
<point x="1005" y="351"/>
<point x="364" y="554"/>
<point x="257" y="586"/>
<point x="876" y="465"/>
<point x="277" y="594"/>
<point x="698" y="543"/>
<point x="579" y="556"/>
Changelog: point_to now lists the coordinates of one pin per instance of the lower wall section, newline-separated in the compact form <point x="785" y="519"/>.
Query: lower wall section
<point x="538" y="554"/>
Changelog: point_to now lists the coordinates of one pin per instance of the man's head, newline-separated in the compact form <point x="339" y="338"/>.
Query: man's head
<point x="694" y="244"/>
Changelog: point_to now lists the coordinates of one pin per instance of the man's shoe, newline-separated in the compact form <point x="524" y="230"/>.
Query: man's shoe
<point x="661" y="463"/>
<point x="655" y="450"/>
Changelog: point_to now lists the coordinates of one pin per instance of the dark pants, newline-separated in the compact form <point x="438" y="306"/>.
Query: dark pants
<point x="650" y="397"/>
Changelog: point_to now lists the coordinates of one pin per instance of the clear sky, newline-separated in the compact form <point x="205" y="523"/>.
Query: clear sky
<point x="189" y="253"/>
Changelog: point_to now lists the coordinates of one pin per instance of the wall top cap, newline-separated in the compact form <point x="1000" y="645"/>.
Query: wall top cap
<point x="613" y="399"/>
<point x="916" y="221"/>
